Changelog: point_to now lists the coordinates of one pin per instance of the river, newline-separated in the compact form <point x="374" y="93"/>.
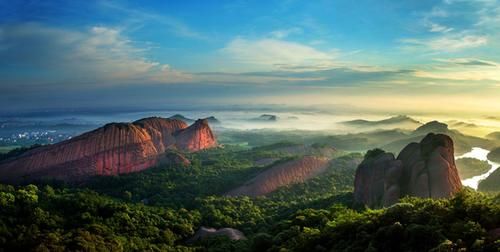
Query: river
<point x="481" y="154"/>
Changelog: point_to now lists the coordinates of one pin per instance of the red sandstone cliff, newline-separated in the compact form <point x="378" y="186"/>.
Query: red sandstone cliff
<point x="113" y="149"/>
<point x="198" y="136"/>
<point x="294" y="171"/>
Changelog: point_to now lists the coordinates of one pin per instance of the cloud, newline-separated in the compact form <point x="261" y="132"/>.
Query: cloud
<point x="489" y="16"/>
<point x="280" y="34"/>
<point x="100" y="54"/>
<point x="433" y="27"/>
<point x="446" y="43"/>
<point x="173" y="24"/>
<point x="333" y="77"/>
<point x="470" y="62"/>
<point x="463" y="69"/>
<point x="274" y="53"/>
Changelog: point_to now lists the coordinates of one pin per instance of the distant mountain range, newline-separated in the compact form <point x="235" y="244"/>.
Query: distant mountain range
<point x="210" y="119"/>
<point x="397" y="121"/>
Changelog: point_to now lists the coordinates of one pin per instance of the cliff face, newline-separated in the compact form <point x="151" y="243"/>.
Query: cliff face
<point x="196" y="137"/>
<point x="425" y="169"/>
<point x="375" y="179"/>
<point x="113" y="149"/>
<point x="204" y="233"/>
<point x="294" y="171"/>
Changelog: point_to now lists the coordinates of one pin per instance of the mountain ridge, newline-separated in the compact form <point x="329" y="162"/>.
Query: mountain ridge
<point x="113" y="149"/>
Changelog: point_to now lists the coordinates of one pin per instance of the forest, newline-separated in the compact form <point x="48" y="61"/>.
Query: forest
<point x="161" y="208"/>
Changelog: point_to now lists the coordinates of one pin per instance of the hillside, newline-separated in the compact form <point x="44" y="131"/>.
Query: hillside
<point x="494" y="155"/>
<point x="400" y="121"/>
<point x="491" y="183"/>
<point x="115" y="148"/>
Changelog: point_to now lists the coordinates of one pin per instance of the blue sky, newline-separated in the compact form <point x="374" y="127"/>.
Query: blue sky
<point x="152" y="53"/>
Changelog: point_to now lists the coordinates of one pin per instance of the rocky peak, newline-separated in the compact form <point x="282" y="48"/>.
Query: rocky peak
<point x="425" y="169"/>
<point x="113" y="149"/>
<point x="196" y="137"/>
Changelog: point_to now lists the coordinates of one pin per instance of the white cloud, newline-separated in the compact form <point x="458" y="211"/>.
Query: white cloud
<point x="489" y="17"/>
<point x="446" y="43"/>
<point x="433" y="27"/>
<point x="280" y="34"/>
<point x="101" y="55"/>
<point x="463" y="69"/>
<point x="274" y="52"/>
<point x="469" y="62"/>
<point x="172" y="24"/>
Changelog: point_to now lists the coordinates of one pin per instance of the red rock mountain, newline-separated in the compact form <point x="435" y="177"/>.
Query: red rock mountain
<point x="294" y="171"/>
<point x="205" y="233"/>
<point x="426" y="169"/>
<point x="113" y="149"/>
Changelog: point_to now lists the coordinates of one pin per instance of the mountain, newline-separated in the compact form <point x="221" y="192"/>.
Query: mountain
<point x="402" y="121"/>
<point x="426" y="169"/>
<point x="433" y="126"/>
<point x="196" y="137"/>
<point x="266" y="118"/>
<point x="470" y="167"/>
<point x="494" y="136"/>
<point x="460" y="124"/>
<point x="212" y="120"/>
<point x="494" y="155"/>
<point x="115" y="148"/>
<point x="290" y="172"/>
<point x="490" y="184"/>
<point x="462" y="143"/>
<point x="182" y="118"/>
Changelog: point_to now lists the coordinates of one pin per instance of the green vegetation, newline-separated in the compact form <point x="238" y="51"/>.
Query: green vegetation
<point x="161" y="208"/>
<point x="51" y="219"/>
<point x="494" y="155"/>
<point x="470" y="167"/>
<point x="82" y="220"/>
<point x="17" y="151"/>
<point x="5" y="149"/>
<point x="460" y="223"/>
<point x="491" y="183"/>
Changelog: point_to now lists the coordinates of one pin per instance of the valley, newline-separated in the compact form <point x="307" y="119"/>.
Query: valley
<point x="278" y="187"/>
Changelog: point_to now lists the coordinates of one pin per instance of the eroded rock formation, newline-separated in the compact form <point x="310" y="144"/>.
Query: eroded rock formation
<point x="376" y="179"/>
<point x="113" y="149"/>
<point x="204" y="233"/>
<point x="425" y="169"/>
<point x="198" y="136"/>
<point x="290" y="172"/>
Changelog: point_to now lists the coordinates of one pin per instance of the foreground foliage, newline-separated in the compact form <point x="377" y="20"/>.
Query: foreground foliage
<point x="161" y="208"/>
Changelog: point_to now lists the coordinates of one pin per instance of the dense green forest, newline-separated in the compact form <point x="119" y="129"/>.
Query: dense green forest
<point x="161" y="208"/>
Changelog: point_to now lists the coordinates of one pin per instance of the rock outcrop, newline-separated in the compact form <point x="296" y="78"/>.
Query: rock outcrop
<point x="377" y="178"/>
<point x="198" y="136"/>
<point x="113" y="149"/>
<point x="204" y="233"/>
<point x="426" y="169"/>
<point x="290" y="172"/>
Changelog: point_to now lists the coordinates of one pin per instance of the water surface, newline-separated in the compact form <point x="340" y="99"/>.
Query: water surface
<point x="481" y="154"/>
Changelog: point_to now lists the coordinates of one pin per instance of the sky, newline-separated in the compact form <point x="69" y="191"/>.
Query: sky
<point x="420" y="56"/>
